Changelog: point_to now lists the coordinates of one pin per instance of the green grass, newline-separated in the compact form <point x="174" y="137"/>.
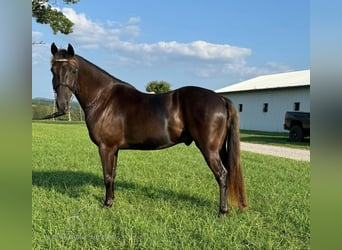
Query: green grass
<point x="272" y="138"/>
<point x="165" y="199"/>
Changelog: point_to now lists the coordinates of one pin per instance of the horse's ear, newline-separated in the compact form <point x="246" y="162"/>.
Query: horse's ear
<point x="54" y="48"/>
<point x="71" y="50"/>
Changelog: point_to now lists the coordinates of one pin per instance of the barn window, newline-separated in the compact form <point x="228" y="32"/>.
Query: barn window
<point x="296" y="106"/>
<point x="240" y="107"/>
<point x="265" y="107"/>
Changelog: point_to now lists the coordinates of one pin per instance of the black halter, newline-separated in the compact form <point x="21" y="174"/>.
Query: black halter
<point x="73" y="87"/>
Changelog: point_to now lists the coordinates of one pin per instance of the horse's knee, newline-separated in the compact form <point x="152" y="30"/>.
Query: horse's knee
<point x="108" y="180"/>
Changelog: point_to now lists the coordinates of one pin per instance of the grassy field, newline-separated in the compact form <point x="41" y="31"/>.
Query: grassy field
<point x="270" y="138"/>
<point x="165" y="199"/>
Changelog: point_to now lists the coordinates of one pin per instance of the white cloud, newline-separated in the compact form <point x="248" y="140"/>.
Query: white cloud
<point x="40" y="50"/>
<point x="91" y="34"/>
<point x="85" y="31"/>
<point x="275" y="67"/>
<point x="268" y="68"/>
<point x="203" y="58"/>
<point x="36" y="36"/>
<point x="133" y="20"/>
<point x="199" y="49"/>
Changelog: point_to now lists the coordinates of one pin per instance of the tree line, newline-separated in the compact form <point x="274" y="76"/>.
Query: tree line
<point x="42" y="107"/>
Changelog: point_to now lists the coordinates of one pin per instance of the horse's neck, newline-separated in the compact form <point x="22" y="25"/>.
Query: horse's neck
<point x="94" y="85"/>
<point x="91" y="83"/>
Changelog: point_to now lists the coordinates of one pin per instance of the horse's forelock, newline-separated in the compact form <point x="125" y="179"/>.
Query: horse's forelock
<point x="62" y="55"/>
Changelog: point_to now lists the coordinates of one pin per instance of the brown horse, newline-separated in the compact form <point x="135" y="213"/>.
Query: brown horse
<point x="118" y="116"/>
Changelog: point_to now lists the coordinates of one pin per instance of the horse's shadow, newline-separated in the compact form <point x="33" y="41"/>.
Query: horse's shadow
<point x="69" y="183"/>
<point x="72" y="184"/>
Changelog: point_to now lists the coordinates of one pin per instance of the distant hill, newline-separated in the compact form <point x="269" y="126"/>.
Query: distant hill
<point x="42" y="101"/>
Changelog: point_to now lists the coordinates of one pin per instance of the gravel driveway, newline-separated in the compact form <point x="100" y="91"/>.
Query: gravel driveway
<point x="292" y="153"/>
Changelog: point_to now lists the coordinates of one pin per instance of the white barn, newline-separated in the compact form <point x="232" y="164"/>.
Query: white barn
<point x="262" y="101"/>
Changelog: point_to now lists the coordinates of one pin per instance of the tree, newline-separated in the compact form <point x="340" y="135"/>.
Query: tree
<point x="45" y="14"/>
<point x="158" y="87"/>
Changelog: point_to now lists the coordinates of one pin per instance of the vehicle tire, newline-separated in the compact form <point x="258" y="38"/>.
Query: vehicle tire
<point x="296" y="134"/>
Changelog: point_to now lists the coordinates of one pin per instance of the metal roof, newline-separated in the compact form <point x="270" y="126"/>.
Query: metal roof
<point x="282" y="80"/>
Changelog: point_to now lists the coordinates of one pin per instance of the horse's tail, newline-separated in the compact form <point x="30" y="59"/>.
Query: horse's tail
<point x="236" y="187"/>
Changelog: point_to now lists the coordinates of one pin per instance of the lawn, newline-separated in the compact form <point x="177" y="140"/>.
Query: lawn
<point x="165" y="199"/>
<point x="273" y="138"/>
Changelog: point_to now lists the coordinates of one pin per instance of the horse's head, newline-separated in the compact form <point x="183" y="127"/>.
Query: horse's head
<point x="64" y="68"/>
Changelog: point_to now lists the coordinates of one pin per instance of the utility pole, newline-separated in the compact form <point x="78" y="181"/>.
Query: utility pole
<point x="54" y="108"/>
<point x="81" y="118"/>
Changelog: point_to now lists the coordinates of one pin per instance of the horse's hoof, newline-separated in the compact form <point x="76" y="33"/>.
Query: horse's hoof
<point x="108" y="203"/>
<point x="222" y="213"/>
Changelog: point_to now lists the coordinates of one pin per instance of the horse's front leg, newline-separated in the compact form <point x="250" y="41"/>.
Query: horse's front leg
<point x="109" y="159"/>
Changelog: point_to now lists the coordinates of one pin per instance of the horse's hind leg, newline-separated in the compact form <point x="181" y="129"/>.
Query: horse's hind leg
<point x="108" y="160"/>
<point x="213" y="160"/>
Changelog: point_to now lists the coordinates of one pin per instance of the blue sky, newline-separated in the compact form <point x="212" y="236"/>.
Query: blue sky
<point x="211" y="44"/>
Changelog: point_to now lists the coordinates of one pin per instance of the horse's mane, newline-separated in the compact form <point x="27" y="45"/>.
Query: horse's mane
<point x="103" y="71"/>
<point x="63" y="54"/>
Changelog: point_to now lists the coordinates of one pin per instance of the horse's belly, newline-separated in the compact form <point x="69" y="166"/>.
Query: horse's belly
<point x="147" y="137"/>
<point x="147" y="146"/>
<point x="153" y="132"/>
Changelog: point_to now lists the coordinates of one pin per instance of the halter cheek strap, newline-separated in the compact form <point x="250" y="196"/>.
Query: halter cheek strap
<point x="73" y="88"/>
